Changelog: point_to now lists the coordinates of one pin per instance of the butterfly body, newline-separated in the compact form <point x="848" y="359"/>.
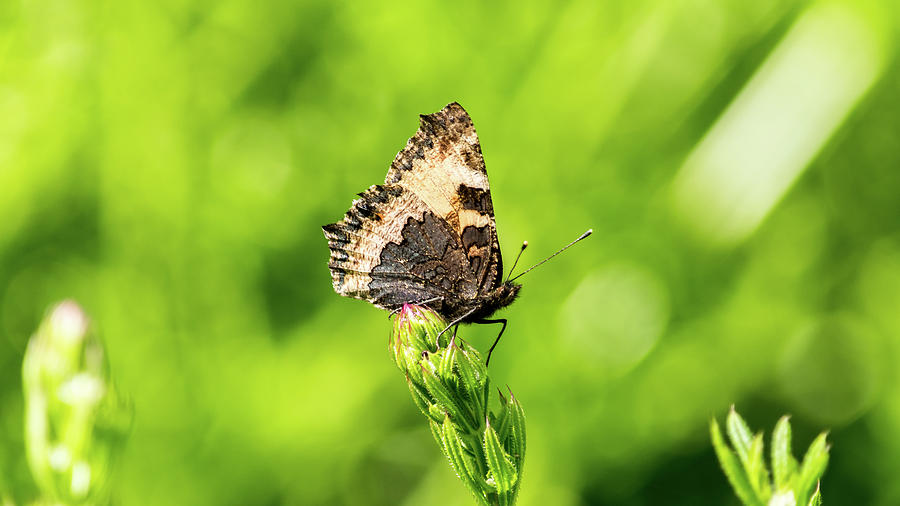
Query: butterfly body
<point x="482" y="306"/>
<point x="428" y="234"/>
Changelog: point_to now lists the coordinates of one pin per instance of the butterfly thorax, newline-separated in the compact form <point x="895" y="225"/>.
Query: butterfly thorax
<point x="482" y="306"/>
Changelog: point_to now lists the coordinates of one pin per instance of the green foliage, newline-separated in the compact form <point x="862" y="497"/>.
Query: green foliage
<point x="746" y="471"/>
<point x="449" y="383"/>
<point x="169" y="164"/>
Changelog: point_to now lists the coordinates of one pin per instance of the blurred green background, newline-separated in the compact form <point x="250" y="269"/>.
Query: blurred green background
<point x="169" y="164"/>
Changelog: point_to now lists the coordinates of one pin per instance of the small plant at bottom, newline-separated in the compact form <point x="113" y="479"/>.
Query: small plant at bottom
<point x="76" y="423"/>
<point x="791" y="483"/>
<point x="449" y="383"/>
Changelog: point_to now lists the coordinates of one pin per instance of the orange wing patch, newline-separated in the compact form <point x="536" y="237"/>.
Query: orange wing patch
<point x="441" y="157"/>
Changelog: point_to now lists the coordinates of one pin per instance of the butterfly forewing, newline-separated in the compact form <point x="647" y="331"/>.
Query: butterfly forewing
<point x="428" y="232"/>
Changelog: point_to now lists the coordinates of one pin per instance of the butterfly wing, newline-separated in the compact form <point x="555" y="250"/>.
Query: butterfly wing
<point x="443" y="165"/>
<point x="429" y="232"/>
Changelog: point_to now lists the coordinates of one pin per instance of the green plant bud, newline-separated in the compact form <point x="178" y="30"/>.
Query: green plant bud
<point x="449" y="383"/>
<point x="75" y="422"/>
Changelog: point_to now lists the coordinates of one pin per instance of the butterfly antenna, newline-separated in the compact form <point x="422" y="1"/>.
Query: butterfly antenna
<point x="524" y="245"/>
<point x="567" y="246"/>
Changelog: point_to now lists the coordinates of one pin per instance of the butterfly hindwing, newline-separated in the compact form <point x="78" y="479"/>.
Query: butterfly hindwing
<point x="374" y="220"/>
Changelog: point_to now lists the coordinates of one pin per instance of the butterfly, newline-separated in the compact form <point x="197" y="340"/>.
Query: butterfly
<point x="427" y="235"/>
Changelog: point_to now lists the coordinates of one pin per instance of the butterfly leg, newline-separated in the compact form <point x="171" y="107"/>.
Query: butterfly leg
<point x="503" y="321"/>
<point x="454" y="324"/>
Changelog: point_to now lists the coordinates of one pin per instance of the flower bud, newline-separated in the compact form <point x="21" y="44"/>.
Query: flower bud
<point x="449" y="384"/>
<point x="75" y="423"/>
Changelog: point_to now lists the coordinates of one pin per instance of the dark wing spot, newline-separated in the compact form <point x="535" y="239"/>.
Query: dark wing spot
<point x="339" y="255"/>
<point x="353" y="220"/>
<point x="475" y="198"/>
<point x="367" y="211"/>
<point x="475" y="262"/>
<point x="476" y="236"/>
<point x="431" y="262"/>
<point x="335" y="233"/>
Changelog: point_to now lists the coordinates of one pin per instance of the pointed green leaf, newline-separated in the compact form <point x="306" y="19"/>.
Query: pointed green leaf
<point x="500" y="466"/>
<point x="501" y="423"/>
<point x="446" y="361"/>
<point x="756" y="469"/>
<point x="412" y="364"/>
<point x="814" y="463"/>
<point x="732" y="468"/>
<point x="476" y="358"/>
<point x="739" y="434"/>
<point x="469" y="379"/>
<point x="436" y="432"/>
<point x="436" y="413"/>
<point x="517" y="431"/>
<point x="420" y="398"/>
<point x="435" y="325"/>
<point x="447" y="399"/>
<point x="413" y="332"/>
<point x="395" y="346"/>
<point x="816" y="499"/>
<point x="781" y="453"/>
<point x="459" y="460"/>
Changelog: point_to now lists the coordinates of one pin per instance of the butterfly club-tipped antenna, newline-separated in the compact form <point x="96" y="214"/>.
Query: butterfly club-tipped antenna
<point x="524" y="245"/>
<point x="567" y="246"/>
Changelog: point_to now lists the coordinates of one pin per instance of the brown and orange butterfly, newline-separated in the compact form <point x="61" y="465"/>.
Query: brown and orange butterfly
<point x="427" y="235"/>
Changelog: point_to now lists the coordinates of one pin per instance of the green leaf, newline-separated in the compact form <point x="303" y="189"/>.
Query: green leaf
<point x="501" y="422"/>
<point x="516" y="443"/>
<point x="500" y="467"/>
<point x="739" y="434"/>
<point x="459" y="460"/>
<point x="447" y="359"/>
<point x="732" y="468"/>
<point x="412" y="364"/>
<point x="444" y="396"/>
<point x="436" y="413"/>
<point x="470" y="383"/>
<point x="468" y="372"/>
<point x="814" y="463"/>
<point x="816" y="499"/>
<point x="436" y="432"/>
<point x="420" y="398"/>
<point x="782" y="461"/>
<point x="756" y="470"/>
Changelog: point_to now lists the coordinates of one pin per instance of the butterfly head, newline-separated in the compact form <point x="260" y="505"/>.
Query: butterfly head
<point x="507" y="293"/>
<point x="499" y="297"/>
